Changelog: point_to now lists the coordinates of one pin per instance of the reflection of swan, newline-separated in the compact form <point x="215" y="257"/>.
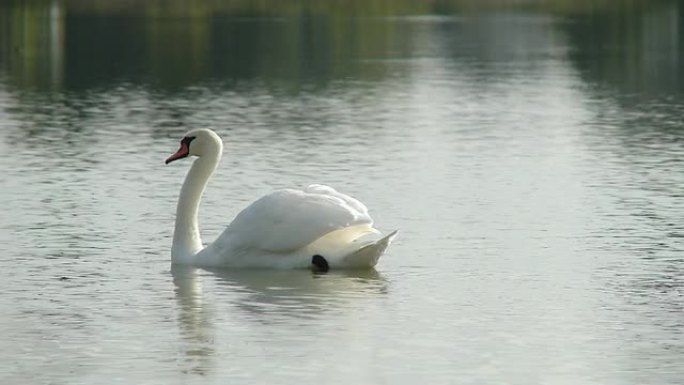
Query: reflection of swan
<point x="267" y="295"/>
<point x="286" y="229"/>
<point x="193" y="318"/>
<point x="271" y="294"/>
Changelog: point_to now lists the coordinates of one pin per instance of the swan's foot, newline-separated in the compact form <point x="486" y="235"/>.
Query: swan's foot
<point x="318" y="263"/>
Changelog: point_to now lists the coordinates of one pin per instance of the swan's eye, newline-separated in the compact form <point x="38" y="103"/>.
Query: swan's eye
<point x="186" y="140"/>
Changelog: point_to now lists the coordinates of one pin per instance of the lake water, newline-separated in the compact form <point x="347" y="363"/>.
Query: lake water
<point x="531" y="157"/>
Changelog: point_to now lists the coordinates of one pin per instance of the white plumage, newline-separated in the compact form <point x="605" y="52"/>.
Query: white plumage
<point x="287" y="220"/>
<point x="284" y="229"/>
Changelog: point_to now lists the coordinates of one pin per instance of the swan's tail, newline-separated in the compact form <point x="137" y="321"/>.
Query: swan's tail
<point x="368" y="255"/>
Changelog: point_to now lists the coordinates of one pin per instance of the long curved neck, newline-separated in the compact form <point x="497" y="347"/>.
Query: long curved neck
<point x="186" y="235"/>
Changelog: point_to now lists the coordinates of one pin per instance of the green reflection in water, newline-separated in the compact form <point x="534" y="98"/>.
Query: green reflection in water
<point x="173" y="44"/>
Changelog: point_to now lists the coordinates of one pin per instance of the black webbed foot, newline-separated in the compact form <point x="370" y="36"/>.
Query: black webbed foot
<point x="319" y="264"/>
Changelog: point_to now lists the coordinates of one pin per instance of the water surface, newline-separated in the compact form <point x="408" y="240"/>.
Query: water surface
<point x="530" y="157"/>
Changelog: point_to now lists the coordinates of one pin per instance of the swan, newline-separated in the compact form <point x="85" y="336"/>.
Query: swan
<point x="316" y="227"/>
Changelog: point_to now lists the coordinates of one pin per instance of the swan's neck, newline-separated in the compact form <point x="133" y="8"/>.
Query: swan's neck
<point x="186" y="235"/>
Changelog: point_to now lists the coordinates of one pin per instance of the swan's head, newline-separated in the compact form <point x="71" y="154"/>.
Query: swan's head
<point x="199" y="142"/>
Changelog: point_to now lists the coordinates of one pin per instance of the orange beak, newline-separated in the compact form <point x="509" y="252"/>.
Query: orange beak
<point x="182" y="152"/>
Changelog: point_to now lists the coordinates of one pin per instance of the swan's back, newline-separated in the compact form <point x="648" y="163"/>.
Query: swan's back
<point x="288" y="220"/>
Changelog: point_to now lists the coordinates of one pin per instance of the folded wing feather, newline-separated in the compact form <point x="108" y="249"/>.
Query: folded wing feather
<point x="287" y="220"/>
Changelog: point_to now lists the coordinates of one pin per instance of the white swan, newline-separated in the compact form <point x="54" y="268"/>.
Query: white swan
<point x="317" y="227"/>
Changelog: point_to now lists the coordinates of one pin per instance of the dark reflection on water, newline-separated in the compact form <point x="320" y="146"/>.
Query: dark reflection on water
<point x="85" y="45"/>
<point x="637" y="52"/>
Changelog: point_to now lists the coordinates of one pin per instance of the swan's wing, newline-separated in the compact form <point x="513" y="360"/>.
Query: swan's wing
<point x="287" y="220"/>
